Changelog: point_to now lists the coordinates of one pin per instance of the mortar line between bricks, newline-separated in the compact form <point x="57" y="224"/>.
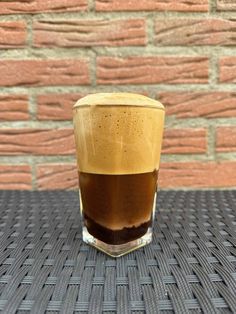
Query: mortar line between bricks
<point x="226" y="156"/>
<point x="211" y="142"/>
<point x="37" y="90"/>
<point x="213" y="7"/>
<point x="213" y="71"/>
<point x="150" y="34"/>
<point x="174" y="123"/>
<point x="71" y="159"/>
<point x="32" y="106"/>
<point x="37" y="159"/>
<point x="185" y="158"/>
<point x="171" y="122"/>
<point x="91" y="5"/>
<point x="119" y="14"/>
<point x="151" y="90"/>
<point x="35" y="124"/>
<point x="93" y="69"/>
<point x="126" y="51"/>
<point x="33" y="175"/>
<point x="29" y="32"/>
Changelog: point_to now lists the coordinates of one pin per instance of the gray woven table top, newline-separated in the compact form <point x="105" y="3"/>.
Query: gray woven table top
<point x="190" y="267"/>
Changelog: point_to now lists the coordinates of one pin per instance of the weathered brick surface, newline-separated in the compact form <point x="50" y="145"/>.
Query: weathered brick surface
<point x="226" y="139"/>
<point x="194" y="31"/>
<point x="52" y="52"/>
<point x="12" y="34"/>
<point x="36" y="6"/>
<point x="151" y="70"/>
<point x="184" y="141"/>
<point x="158" y="5"/>
<point x="36" y="141"/>
<point x="227" y="70"/>
<point x="13" y="177"/>
<point x="13" y="107"/>
<point x="57" y="176"/>
<point x="56" y="106"/>
<point x="199" y="104"/>
<point x="226" y="5"/>
<point x="44" y="72"/>
<point x="85" y="33"/>
<point x="197" y="174"/>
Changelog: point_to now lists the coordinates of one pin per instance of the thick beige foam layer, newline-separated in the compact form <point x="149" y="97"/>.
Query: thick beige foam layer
<point x="128" y="99"/>
<point x="118" y="133"/>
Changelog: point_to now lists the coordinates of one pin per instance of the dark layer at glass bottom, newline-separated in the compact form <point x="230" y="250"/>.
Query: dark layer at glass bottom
<point x="115" y="237"/>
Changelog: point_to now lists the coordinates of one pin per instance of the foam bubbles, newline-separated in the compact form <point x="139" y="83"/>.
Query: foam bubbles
<point x="118" y="139"/>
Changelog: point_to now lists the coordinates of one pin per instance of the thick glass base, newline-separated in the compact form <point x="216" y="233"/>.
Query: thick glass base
<point x="120" y="249"/>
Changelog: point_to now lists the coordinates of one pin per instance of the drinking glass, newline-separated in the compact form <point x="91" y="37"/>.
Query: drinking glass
<point x="118" y="140"/>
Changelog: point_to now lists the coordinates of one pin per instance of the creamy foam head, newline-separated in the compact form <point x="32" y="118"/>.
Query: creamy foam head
<point x="118" y="133"/>
<point x="118" y="99"/>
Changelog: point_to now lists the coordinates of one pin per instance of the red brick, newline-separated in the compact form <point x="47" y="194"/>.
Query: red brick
<point x="199" y="104"/>
<point x="56" y="106"/>
<point x="57" y="176"/>
<point x="227" y="70"/>
<point x="36" y="6"/>
<point x="36" y="141"/>
<point x="13" y="177"/>
<point x="86" y="33"/>
<point x="13" y="107"/>
<point x="151" y="70"/>
<point x="12" y="34"/>
<point x="197" y="174"/>
<point x="149" y="5"/>
<point x="193" y="32"/>
<point x="226" y="139"/>
<point x="226" y="5"/>
<point x="184" y="141"/>
<point x="44" y="72"/>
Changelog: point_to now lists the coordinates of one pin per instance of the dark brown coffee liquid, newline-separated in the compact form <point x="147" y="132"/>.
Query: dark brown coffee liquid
<point x="117" y="208"/>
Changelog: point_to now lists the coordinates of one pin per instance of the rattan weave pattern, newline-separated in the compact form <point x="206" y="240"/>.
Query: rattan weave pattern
<point x="190" y="267"/>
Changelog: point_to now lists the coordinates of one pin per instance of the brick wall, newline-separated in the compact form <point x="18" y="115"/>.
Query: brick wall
<point x="180" y="52"/>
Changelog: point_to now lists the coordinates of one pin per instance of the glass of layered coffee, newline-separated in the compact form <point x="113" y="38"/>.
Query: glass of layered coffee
<point x="118" y="142"/>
